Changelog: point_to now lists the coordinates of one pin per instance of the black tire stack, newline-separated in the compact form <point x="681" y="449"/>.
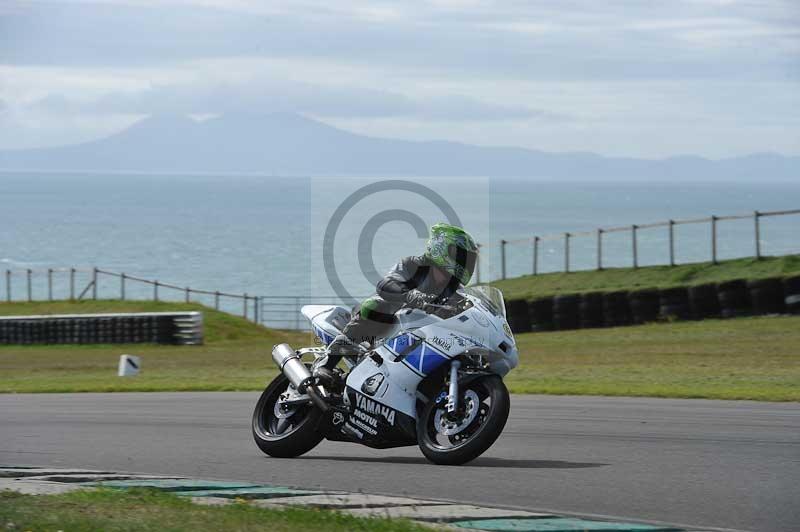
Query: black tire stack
<point x="162" y="328"/>
<point x="734" y="300"/>
<point x="791" y="293"/>
<point x="644" y="305"/>
<point x="566" y="311"/>
<point x="517" y="315"/>
<point x="703" y="301"/>
<point x="540" y="312"/>
<point x="766" y="295"/>
<point x="616" y="309"/>
<point x="674" y="304"/>
<point x="590" y="310"/>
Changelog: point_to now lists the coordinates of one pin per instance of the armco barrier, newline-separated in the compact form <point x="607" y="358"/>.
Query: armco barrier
<point x="728" y="299"/>
<point x="184" y="328"/>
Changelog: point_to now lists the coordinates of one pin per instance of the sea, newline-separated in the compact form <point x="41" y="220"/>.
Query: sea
<point x="326" y="237"/>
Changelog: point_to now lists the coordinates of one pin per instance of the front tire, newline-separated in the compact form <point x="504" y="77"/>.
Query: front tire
<point x="484" y="407"/>
<point x="289" y="436"/>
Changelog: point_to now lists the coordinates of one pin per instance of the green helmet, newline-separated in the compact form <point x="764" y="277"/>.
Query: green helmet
<point x="453" y="250"/>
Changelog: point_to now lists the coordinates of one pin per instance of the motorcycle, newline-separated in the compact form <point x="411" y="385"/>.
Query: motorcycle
<point x="435" y="381"/>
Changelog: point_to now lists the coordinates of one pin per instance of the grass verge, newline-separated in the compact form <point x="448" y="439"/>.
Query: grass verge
<point x="150" y="510"/>
<point x="548" y="284"/>
<point x="745" y="358"/>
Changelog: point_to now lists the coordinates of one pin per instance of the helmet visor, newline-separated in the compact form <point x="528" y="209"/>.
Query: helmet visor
<point x="465" y="259"/>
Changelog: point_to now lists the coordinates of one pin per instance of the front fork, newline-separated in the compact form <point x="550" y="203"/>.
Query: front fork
<point x="452" y="394"/>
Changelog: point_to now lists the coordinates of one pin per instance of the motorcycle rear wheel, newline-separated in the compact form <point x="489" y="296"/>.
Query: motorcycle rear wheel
<point x="288" y="437"/>
<point x="485" y="405"/>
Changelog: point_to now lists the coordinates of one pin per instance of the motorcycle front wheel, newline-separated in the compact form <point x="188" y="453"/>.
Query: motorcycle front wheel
<point x="284" y="433"/>
<point x="455" y="439"/>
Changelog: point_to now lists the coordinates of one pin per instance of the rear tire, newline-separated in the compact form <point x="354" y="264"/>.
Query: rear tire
<point x="478" y="435"/>
<point x="288" y="438"/>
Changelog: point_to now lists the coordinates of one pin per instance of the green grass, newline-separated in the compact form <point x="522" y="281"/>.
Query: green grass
<point x="745" y="358"/>
<point x="236" y="355"/>
<point x="148" y="510"/>
<point x="533" y="286"/>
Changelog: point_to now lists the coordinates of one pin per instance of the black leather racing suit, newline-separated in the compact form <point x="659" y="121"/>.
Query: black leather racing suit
<point x="374" y="317"/>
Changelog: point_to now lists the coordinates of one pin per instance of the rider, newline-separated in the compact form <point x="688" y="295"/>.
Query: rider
<point x="447" y="265"/>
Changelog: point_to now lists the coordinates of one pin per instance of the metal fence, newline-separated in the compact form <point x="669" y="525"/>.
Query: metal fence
<point x="54" y="284"/>
<point x="283" y="312"/>
<point x="533" y="244"/>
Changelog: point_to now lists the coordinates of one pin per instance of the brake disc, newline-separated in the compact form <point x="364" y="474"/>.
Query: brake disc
<point x="448" y="427"/>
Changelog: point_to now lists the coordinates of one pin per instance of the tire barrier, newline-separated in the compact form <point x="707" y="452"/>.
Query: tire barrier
<point x="733" y="299"/>
<point x="791" y="293"/>
<point x="728" y="299"/>
<point x="645" y="304"/>
<point x="590" y="310"/>
<point x="541" y="314"/>
<point x="766" y="295"/>
<point x="616" y="309"/>
<point x="517" y="315"/>
<point x="565" y="311"/>
<point x="703" y="301"/>
<point x="183" y="328"/>
<point x="674" y="304"/>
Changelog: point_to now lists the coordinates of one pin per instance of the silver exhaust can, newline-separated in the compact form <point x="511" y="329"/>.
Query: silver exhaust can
<point x="288" y="361"/>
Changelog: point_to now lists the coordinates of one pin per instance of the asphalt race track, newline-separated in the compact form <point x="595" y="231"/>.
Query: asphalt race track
<point x="722" y="464"/>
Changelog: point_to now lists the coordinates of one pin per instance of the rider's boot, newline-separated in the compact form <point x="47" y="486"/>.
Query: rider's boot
<point x="324" y="369"/>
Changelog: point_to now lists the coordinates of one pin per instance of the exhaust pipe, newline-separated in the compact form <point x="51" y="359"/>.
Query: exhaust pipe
<point x="288" y="361"/>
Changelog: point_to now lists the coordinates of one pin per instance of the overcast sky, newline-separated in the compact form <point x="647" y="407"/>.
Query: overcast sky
<point x="642" y="78"/>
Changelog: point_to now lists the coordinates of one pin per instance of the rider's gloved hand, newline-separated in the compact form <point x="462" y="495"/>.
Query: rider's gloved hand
<point x="417" y="299"/>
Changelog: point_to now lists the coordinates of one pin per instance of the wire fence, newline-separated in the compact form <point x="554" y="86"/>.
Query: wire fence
<point x="82" y="284"/>
<point x="77" y="284"/>
<point x="609" y="254"/>
<point x="283" y="311"/>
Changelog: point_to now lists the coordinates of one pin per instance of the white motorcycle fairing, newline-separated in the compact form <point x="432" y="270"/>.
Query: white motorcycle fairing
<point x="381" y="393"/>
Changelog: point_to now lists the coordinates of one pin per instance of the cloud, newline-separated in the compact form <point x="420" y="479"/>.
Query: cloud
<point x="612" y="40"/>
<point x="259" y="94"/>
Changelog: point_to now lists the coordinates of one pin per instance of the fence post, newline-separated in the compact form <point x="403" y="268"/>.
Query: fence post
<point x="566" y="252"/>
<point x="757" y="224"/>
<point x="8" y="286"/>
<point x="30" y="298"/>
<point x="634" y="227"/>
<point x="713" y="239"/>
<point x="94" y="283"/>
<point x="503" y="259"/>
<point x="187" y="290"/>
<point x="216" y="300"/>
<point x="72" y="284"/>
<point x="296" y="313"/>
<point x="245" y="305"/>
<point x="122" y="287"/>
<point x="49" y="284"/>
<point x="672" y="242"/>
<point x="255" y="308"/>
<point x="599" y="249"/>
<point x="535" y="255"/>
<point x="155" y="291"/>
<point x="478" y="266"/>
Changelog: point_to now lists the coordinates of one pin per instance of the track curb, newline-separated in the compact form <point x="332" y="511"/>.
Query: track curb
<point x="35" y="480"/>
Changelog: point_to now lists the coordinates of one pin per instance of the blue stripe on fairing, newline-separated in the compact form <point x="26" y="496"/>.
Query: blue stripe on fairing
<point x="325" y="337"/>
<point x="400" y="343"/>
<point x="425" y="359"/>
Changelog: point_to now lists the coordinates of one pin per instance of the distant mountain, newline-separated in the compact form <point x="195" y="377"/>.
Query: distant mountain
<point x="289" y="144"/>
